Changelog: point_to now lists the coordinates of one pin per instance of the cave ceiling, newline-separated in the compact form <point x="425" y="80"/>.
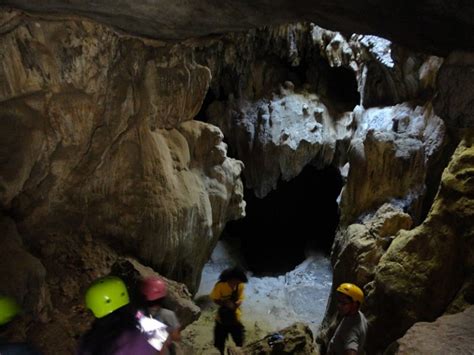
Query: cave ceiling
<point x="436" y="26"/>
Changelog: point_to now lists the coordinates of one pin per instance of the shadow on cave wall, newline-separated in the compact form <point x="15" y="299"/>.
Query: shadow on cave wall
<point x="299" y="215"/>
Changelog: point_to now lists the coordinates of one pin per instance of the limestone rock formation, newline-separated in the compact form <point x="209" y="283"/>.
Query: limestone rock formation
<point x="455" y="96"/>
<point x="357" y="251"/>
<point x="368" y="241"/>
<point x="276" y="138"/>
<point x="434" y="25"/>
<point x="360" y="249"/>
<point x="277" y="127"/>
<point x="388" y="158"/>
<point x="391" y="74"/>
<point x="22" y="275"/>
<point x="96" y="131"/>
<point x="100" y="155"/>
<point x="450" y="334"/>
<point x="387" y="74"/>
<point x="422" y="271"/>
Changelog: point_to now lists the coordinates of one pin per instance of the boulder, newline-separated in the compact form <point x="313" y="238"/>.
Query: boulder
<point x="422" y="274"/>
<point x="296" y="339"/>
<point x="449" y="334"/>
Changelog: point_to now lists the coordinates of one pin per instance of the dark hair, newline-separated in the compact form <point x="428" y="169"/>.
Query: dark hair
<point x="101" y="338"/>
<point x="236" y="273"/>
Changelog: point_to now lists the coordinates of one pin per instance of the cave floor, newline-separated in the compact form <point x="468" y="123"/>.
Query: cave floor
<point x="271" y="302"/>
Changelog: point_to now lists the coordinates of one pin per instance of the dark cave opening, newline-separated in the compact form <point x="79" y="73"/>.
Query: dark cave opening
<point x="208" y="99"/>
<point x="299" y="215"/>
<point x="342" y="87"/>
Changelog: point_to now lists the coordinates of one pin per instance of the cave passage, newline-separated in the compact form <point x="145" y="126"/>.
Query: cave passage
<point x="299" y="215"/>
<point x="342" y="87"/>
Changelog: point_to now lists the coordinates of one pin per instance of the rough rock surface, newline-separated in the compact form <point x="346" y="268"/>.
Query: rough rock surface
<point x="100" y="156"/>
<point x="296" y="339"/>
<point x="357" y="251"/>
<point x="22" y="275"/>
<point x="413" y="275"/>
<point x="276" y="138"/>
<point x="387" y="74"/>
<point x="422" y="271"/>
<point x="450" y="334"/>
<point x="391" y="74"/>
<point x="455" y="95"/>
<point x="368" y="241"/>
<point x="435" y="25"/>
<point x="96" y="131"/>
<point x="277" y="126"/>
<point x="388" y="159"/>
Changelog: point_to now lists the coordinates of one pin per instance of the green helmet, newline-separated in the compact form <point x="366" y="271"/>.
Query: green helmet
<point x="105" y="295"/>
<point x="8" y="309"/>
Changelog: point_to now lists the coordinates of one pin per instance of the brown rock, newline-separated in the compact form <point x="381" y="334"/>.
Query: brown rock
<point x="96" y="131"/>
<point x="449" y="334"/>
<point x="431" y="24"/>
<point x="22" y="275"/>
<point x="454" y="100"/>
<point x="422" y="271"/>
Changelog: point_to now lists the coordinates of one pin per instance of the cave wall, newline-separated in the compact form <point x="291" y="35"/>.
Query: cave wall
<point x="436" y="26"/>
<point x="100" y="154"/>
<point x="97" y="131"/>
<point x="427" y="271"/>
<point x="392" y="148"/>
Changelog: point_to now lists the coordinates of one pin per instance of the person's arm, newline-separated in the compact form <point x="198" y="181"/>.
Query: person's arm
<point x="240" y="294"/>
<point x="175" y="327"/>
<point x="352" y="342"/>
<point x="175" y="334"/>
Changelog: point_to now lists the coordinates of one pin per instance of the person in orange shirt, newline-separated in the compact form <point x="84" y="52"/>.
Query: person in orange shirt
<point x="228" y="294"/>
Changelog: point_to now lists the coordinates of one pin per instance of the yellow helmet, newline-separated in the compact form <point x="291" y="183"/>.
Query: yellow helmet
<point x="352" y="291"/>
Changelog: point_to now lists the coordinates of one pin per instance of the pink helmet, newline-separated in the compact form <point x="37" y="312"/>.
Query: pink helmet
<point x="153" y="288"/>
